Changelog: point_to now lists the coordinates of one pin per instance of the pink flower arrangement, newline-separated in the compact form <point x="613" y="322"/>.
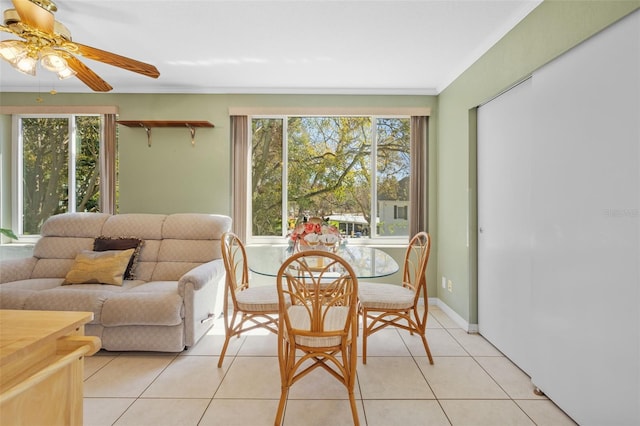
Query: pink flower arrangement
<point x="313" y="232"/>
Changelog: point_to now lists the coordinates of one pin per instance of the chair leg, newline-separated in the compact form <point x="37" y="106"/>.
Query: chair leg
<point x="354" y="408"/>
<point x="365" y="334"/>
<point x="285" y="351"/>
<point x="224" y="349"/>
<point x="228" y="331"/>
<point x="351" y="361"/>
<point x="281" y="404"/>
<point x="426" y="348"/>
<point x="421" y="329"/>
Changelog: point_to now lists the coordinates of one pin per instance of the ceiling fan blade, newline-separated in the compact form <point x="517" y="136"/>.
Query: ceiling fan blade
<point x="87" y="76"/>
<point x="35" y="15"/>
<point x="117" y="60"/>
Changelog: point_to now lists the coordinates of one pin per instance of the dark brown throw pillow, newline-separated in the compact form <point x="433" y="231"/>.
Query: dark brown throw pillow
<point x="103" y="243"/>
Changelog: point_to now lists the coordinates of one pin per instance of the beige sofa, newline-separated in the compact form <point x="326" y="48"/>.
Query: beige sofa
<point x="168" y="306"/>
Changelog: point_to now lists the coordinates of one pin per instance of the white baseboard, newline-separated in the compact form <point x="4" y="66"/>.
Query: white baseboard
<point x="469" y="328"/>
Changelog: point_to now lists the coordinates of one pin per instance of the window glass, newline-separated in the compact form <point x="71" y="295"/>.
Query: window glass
<point x="45" y="177"/>
<point x="87" y="161"/>
<point x="393" y="176"/>
<point x="329" y="165"/>
<point x="59" y="168"/>
<point x="266" y="176"/>
<point x="351" y="171"/>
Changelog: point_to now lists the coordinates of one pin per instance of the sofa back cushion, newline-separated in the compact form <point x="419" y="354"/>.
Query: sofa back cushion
<point x="172" y="244"/>
<point x="188" y="240"/>
<point x="145" y="226"/>
<point x="74" y="225"/>
<point x="62" y="238"/>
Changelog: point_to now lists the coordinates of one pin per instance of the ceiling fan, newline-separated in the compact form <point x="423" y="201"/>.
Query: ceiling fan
<point x="48" y="41"/>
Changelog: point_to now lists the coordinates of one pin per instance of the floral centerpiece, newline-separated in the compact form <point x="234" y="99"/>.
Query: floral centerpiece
<point x="314" y="233"/>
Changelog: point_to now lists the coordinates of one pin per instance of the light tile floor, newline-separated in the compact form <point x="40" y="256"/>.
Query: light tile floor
<point x="471" y="383"/>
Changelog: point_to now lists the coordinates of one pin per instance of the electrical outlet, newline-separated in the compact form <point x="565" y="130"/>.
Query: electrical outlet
<point x="444" y="282"/>
<point x="449" y="285"/>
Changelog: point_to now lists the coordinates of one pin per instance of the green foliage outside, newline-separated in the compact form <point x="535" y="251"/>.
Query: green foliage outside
<point x="88" y="164"/>
<point x="266" y="178"/>
<point x="328" y="167"/>
<point x="46" y="153"/>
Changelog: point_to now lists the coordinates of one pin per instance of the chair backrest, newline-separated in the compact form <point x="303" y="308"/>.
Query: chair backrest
<point x="322" y="289"/>
<point x="234" y="257"/>
<point x="415" y="264"/>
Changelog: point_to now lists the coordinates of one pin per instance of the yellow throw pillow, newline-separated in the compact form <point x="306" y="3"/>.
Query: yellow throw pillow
<point x="104" y="267"/>
<point x="103" y="243"/>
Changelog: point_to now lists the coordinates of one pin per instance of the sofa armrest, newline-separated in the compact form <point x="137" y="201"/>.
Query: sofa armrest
<point x="199" y="288"/>
<point x="201" y="275"/>
<point x="16" y="269"/>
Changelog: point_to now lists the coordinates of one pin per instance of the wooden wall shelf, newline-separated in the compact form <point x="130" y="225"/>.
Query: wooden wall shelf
<point x="147" y="125"/>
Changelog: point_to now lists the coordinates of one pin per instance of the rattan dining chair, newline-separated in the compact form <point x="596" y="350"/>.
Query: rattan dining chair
<point x="383" y="305"/>
<point x="318" y="324"/>
<point x="252" y="307"/>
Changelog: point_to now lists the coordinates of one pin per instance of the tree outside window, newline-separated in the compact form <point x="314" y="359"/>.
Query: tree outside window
<point x="344" y="169"/>
<point x="59" y="168"/>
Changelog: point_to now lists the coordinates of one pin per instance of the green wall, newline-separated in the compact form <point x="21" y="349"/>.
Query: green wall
<point x="551" y="29"/>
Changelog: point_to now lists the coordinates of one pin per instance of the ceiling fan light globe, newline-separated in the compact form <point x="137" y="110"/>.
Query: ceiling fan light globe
<point x="26" y="65"/>
<point x="66" y="73"/>
<point x="12" y="50"/>
<point x="52" y="61"/>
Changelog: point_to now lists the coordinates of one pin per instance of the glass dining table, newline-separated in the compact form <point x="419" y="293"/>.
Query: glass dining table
<point x="367" y="262"/>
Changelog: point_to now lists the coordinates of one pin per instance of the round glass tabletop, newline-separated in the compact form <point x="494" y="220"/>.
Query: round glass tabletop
<point x="367" y="262"/>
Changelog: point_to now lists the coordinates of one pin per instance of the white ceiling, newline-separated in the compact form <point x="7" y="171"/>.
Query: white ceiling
<point x="272" y="46"/>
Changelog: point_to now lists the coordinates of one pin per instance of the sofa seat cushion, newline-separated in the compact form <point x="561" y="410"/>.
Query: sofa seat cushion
<point x="33" y="284"/>
<point x="152" y="308"/>
<point x="14" y="295"/>
<point x="69" y="298"/>
<point x="134" y="303"/>
<point x="14" y="298"/>
<point x="127" y="285"/>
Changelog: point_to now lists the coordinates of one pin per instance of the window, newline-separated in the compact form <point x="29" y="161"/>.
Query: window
<point x="58" y="168"/>
<point x="354" y="171"/>
<point x="400" y="212"/>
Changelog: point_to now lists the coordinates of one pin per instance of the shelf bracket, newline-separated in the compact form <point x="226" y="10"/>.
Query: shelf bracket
<point x="148" y="130"/>
<point x="192" y="130"/>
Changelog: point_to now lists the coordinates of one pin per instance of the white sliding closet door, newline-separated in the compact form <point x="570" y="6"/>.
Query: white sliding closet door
<point x="586" y="256"/>
<point x="505" y="145"/>
<point x="558" y="206"/>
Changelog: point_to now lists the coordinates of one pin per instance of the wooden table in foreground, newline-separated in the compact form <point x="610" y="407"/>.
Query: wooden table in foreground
<point x="41" y="366"/>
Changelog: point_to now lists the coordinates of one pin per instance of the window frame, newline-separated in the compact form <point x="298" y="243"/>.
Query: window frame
<point x="376" y="240"/>
<point x="18" y="165"/>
